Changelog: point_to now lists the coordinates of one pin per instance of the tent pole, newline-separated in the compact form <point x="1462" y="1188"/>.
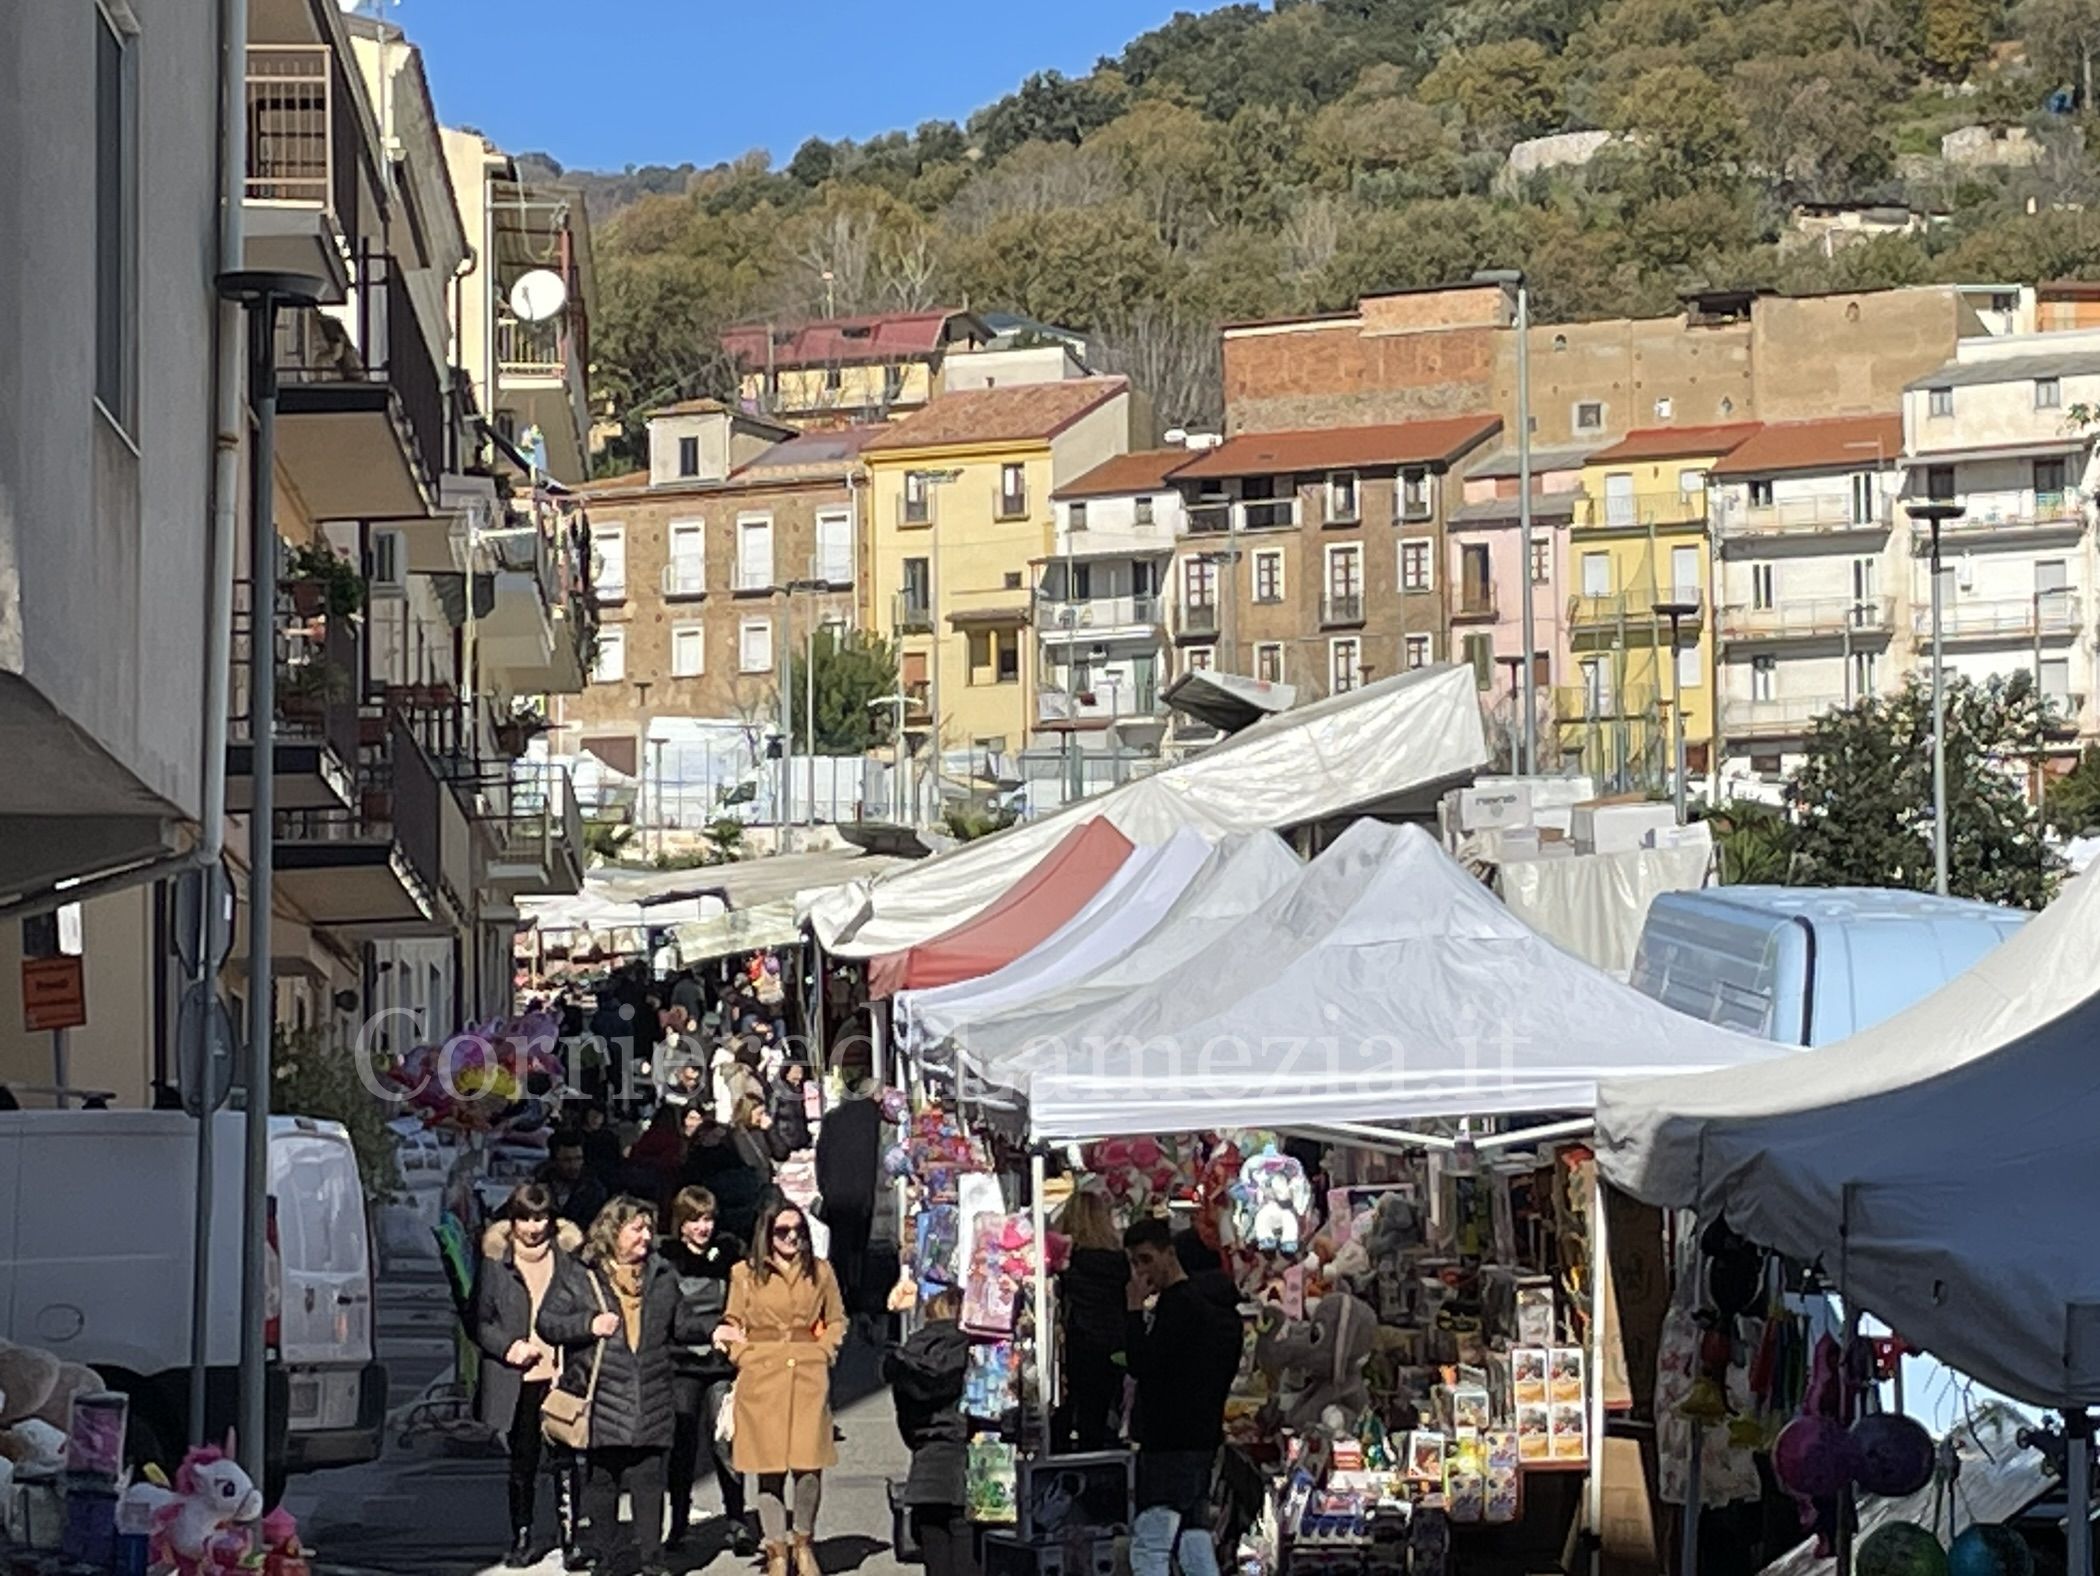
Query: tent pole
<point x="878" y="1035"/>
<point x="1688" y="1552"/>
<point x="1045" y="1334"/>
<point x="1600" y="1266"/>
<point x="2078" y="1491"/>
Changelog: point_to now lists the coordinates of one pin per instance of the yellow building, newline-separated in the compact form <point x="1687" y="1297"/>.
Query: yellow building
<point x="1639" y="549"/>
<point x="958" y="511"/>
<point x="848" y="369"/>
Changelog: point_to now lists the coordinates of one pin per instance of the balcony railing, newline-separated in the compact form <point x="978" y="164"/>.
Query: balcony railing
<point x="319" y="663"/>
<point x="1249" y="514"/>
<point x="1633" y="608"/>
<point x="302" y="130"/>
<point x="1101" y="612"/>
<point x="396" y="799"/>
<point x="536" y="826"/>
<point x="1199" y="618"/>
<point x="2052" y="613"/>
<point x="2012" y="510"/>
<point x="1820" y="515"/>
<point x="1806" y="617"/>
<point x="531" y="350"/>
<point x="912" y="615"/>
<point x="1777" y="715"/>
<point x="1102" y="701"/>
<point x="1633" y="511"/>
<point x="1341" y="609"/>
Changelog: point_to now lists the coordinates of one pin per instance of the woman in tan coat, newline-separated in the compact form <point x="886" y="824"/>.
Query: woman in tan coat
<point x="783" y="1329"/>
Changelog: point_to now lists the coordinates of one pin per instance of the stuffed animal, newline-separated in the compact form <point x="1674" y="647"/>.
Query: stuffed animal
<point x="29" y="1377"/>
<point x="1273" y="1199"/>
<point x="211" y="1494"/>
<point x="1328" y="1352"/>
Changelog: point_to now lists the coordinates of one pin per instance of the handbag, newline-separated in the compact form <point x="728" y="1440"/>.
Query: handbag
<point x="565" y="1416"/>
<point x="725" y="1419"/>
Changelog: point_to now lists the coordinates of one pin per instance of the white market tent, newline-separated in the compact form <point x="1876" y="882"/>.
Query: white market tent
<point x="1388" y="985"/>
<point x="1395" y="744"/>
<point x="1126" y="908"/>
<point x="1939" y="1164"/>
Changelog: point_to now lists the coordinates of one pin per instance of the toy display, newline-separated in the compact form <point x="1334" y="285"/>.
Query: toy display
<point x="1271" y="1202"/>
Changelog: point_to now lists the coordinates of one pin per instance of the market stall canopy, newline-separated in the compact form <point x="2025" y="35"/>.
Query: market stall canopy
<point x="1392" y="746"/>
<point x="1937" y="1164"/>
<point x="638" y="898"/>
<point x="739" y="930"/>
<point x="1389" y="986"/>
<point x="1227" y="701"/>
<point x="1031" y="910"/>
<point x="1134" y="900"/>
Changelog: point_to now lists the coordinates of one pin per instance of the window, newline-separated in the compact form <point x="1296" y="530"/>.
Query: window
<point x="1863" y="674"/>
<point x="834" y="380"/>
<point x="688" y="456"/>
<point x="1596" y="689"/>
<point x="686" y="572"/>
<point x="892" y="384"/>
<point x="2056" y="682"/>
<point x="2048" y="483"/>
<point x="1763" y="674"/>
<point x="1596" y="574"/>
<point x="688" y="651"/>
<point x="1345" y="585"/>
<point x="609" y="574"/>
<point x="1866" y="583"/>
<point x="1480" y="657"/>
<point x="1476" y="579"/>
<point x="1341" y="496"/>
<point x="1761" y="493"/>
<point x="1939" y="402"/>
<point x="1763" y="586"/>
<point x="1863" y="500"/>
<point x="1618" y="498"/>
<point x="1691" y="484"/>
<point x="1201" y="658"/>
<point x="1082" y="578"/>
<point x="388" y="561"/>
<point x="2048" y="394"/>
<point x="918" y="583"/>
<point x="1417" y="651"/>
<point x="1144" y="578"/>
<point x="1684" y="574"/>
<point x="611" y="666"/>
<point x="1416" y="500"/>
<point x="1013" y="492"/>
<point x="1199" y="582"/>
<point x="754" y="646"/>
<point x="1589" y="416"/>
<point x="1690" y="675"/>
<point x="1006" y="653"/>
<point x="1344" y="669"/>
<point x="1143" y="510"/>
<point x="754" y="553"/>
<point x="116" y="220"/>
<point x="1939" y="482"/>
<point x="835" y="547"/>
<point x="1664" y="408"/>
<point x="1268" y="662"/>
<point x="1268" y="577"/>
<point x="1417" y="566"/>
<point x="1075" y="515"/>
<point x="1541" y="560"/>
<point x="1011" y="580"/>
<point x="918" y="498"/>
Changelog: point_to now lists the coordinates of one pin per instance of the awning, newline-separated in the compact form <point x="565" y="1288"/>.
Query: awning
<point x="1227" y="701"/>
<point x="740" y="930"/>
<point x="1034" y="907"/>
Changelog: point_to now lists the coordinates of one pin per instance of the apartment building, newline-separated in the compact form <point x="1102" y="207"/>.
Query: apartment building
<point x="1316" y="558"/>
<point x="1812" y="572"/>
<point x="737" y="541"/>
<point x="845" y="371"/>
<point x="1639" y="547"/>
<point x="960" y="517"/>
<point x="1996" y="430"/>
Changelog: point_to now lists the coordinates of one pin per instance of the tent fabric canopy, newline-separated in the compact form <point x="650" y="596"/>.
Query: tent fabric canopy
<point x="739" y="930"/>
<point x="1937" y="1164"/>
<point x="1034" y="907"/>
<point x="1386" y="985"/>
<point x="1120" y="915"/>
<point x="1394" y="744"/>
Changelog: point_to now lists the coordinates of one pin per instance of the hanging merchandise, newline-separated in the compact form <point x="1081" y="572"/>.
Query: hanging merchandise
<point x="1893" y="1455"/>
<point x="1899" y="1548"/>
<point x="1271" y="1202"/>
<point x="1326" y="1354"/>
<point x="991" y="1382"/>
<point x="1986" y="1550"/>
<point x="989" y="1480"/>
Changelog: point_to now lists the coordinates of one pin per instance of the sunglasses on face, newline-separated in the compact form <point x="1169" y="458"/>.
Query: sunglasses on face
<point x="786" y="1232"/>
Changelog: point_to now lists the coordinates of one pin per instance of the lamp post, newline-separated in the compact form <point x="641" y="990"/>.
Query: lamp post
<point x="1934" y="513"/>
<point x="262" y="293"/>
<point x="1676" y="612"/>
<point x="1515" y="664"/>
<point x="645" y="794"/>
<point x="1514" y="277"/>
<point x="809" y="687"/>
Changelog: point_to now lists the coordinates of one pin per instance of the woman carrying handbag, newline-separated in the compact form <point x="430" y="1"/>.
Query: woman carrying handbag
<point x="615" y="1312"/>
<point x="783" y="1329"/>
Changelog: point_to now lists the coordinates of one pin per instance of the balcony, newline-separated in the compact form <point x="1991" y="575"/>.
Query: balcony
<point x="1611" y="611"/>
<point x="1776" y="717"/>
<point x="542" y="368"/>
<point x="1809" y="618"/>
<point x="1100" y="704"/>
<point x="362" y="417"/>
<point x="2013" y="513"/>
<point x="1342" y="610"/>
<point x="1821" y="515"/>
<point x="1210" y="516"/>
<point x="1095" y="616"/>
<point x="2053" y="615"/>
<point x="377" y="865"/>
<point x="314" y="738"/>
<point x="302" y="190"/>
<point x="1199" y="621"/>
<point x="542" y="611"/>
<point x="1640" y="511"/>
<point x="912" y="615"/>
<point x="1476" y="605"/>
<point x="534" y="829"/>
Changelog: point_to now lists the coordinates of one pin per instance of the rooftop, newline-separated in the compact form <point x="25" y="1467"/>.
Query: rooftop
<point x="1672" y="443"/>
<point x="1143" y="472"/>
<point x="1841" y="442"/>
<point x="1340" y="448"/>
<point x="892" y="336"/>
<point x="1022" y="413"/>
<point x="2010" y="369"/>
<point x="821" y="452"/>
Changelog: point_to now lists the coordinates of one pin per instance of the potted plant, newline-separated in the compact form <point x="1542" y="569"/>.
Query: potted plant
<point x="321" y="582"/>
<point x="515" y="732"/>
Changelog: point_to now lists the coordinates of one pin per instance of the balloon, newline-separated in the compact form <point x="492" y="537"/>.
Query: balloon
<point x="1899" y="1548"/>
<point x="1983" y="1550"/>
<point x="1895" y="1454"/>
<point x="1813" y="1457"/>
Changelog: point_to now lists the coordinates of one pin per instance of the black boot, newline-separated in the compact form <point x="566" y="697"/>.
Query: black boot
<point x="520" y="1557"/>
<point x="574" y="1556"/>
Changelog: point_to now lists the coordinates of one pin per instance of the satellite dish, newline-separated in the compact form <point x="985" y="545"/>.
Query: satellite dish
<point x="538" y="295"/>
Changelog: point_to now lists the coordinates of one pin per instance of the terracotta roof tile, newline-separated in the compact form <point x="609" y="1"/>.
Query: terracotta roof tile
<point x="1016" y="414"/>
<point x="1840" y="442"/>
<point x="894" y="336"/>
<point x="1671" y="443"/>
<point x="1142" y="472"/>
<point x="1328" y="448"/>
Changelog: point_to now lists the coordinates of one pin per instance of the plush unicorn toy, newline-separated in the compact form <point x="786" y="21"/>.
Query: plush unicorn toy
<point x="211" y="1494"/>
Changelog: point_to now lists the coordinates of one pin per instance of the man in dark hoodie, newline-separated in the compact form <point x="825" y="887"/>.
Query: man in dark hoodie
<point x="925" y="1376"/>
<point x="849" y="1157"/>
<point x="1183" y="1356"/>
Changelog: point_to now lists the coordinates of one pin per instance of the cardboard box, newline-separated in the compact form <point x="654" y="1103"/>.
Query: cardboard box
<point x="1494" y="804"/>
<point x="1605" y="827"/>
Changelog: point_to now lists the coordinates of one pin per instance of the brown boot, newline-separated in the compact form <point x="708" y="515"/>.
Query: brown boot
<point x="805" y="1556"/>
<point x="776" y="1558"/>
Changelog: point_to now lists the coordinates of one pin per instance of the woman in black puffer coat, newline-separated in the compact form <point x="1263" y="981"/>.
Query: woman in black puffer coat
<point x="926" y="1376"/>
<point x="617" y="1309"/>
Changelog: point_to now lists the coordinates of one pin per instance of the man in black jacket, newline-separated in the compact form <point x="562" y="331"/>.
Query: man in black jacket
<point x="1183" y="1357"/>
<point x="849" y="1158"/>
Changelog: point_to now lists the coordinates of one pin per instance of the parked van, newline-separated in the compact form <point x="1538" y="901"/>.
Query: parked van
<point x="96" y="1234"/>
<point x="1809" y="965"/>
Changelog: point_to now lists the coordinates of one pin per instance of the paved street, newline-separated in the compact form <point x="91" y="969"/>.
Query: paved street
<point x="435" y="1508"/>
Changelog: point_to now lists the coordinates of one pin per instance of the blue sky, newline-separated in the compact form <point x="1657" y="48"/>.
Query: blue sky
<point x="664" y="81"/>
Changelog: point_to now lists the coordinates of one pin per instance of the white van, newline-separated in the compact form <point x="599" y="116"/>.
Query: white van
<point x="96" y="1230"/>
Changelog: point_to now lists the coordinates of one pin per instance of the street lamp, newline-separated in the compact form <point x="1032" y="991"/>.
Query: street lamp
<point x="645" y="795"/>
<point x="1934" y="513"/>
<point x="1677" y="612"/>
<point x="809" y="683"/>
<point x="1514" y="278"/>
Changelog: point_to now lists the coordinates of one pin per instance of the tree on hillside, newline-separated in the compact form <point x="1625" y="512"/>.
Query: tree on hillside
<point x="1050" y="107"/>
<point x="851" y="672"/>
<point x="1956" y="34"/>
<point x="1502" y="91"/>
<point x="2062" y="38"/>
<point x="1688" y="130"/>
<point x="1810" y="124"/>
<point x="1862" y="800"/>
<point x="1170" y="354"/>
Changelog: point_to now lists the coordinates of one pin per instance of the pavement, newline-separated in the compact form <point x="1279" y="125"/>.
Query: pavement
<point x="433" y="1504"/>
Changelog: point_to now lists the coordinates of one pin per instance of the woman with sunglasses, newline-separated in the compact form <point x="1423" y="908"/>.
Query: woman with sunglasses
<point x="783" y="1329"/>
